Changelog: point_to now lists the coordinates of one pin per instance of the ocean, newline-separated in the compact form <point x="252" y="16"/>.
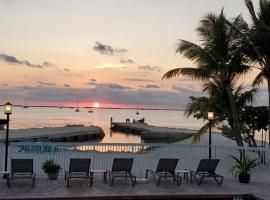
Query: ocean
<point x="38" y="117"/>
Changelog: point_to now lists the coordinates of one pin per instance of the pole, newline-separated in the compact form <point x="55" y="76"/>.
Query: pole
<point x="7" y="142"/>
<point x="210" y="140"/>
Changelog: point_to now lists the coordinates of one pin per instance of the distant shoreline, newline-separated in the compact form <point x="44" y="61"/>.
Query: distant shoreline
<point x="108" y="108"/>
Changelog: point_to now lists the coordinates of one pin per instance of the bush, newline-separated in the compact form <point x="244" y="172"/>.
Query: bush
<point x="49" y="166"/>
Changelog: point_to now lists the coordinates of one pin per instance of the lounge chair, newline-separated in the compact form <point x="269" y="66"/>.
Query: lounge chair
<point x="21" y="169"/>
<point x="206" y="169"/>
<point x="79" y="168"/>
<point x="165" y="169"/>
<point x="121" y="168"/>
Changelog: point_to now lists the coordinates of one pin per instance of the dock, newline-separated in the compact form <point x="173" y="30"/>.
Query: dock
<point x="75" y="133"/>
<point x="150" y="133"/>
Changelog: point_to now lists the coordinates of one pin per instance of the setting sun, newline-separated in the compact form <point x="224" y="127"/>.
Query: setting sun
<point x="96" y="105"/>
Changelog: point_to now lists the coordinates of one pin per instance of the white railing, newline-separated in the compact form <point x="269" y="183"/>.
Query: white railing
<point x="145" y="155"/>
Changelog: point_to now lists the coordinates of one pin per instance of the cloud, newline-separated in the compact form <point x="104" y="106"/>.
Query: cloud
<point x="14" y="60"/>
<point x="150" y="86"/>
<point x="127" y="61"/>
<point x="26" y="87"/>
<point x="141" y="96"/>
<point x="66" y="69"/>
<point x="140" y="80"/>
<point x="108" y="66"/>
<point x="90" y="83"/>
<point x="187" y="90"/>
<point x="112" y="86"/>
<point x="93" y="80"/>
<point x="49" y="65"/>
<point x="67" y="85"/>
<point x="46" y="83"/>
<point x="150" y="68"/>
<point x="108" y="50"/>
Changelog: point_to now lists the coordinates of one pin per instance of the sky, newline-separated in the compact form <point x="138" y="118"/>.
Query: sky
<point x="113" y="52"/>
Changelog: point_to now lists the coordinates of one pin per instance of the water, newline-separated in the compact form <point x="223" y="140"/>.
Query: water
<point x="55" y="117"/>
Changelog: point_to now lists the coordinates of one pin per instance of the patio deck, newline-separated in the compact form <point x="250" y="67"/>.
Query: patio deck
<point x="46" y="189"/>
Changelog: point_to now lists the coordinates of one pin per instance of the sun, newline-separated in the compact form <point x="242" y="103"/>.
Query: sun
<point x="96" y="105"/>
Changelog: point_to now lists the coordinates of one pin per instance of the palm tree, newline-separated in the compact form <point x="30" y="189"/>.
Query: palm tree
<point x="217" y="102"/>
<point x="257" y="43"/>
<point x="219" y="60"/>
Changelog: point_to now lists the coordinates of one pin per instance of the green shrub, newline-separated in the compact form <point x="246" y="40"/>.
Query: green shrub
<point x="49" y="166"/>
<point x="244" y="165"/>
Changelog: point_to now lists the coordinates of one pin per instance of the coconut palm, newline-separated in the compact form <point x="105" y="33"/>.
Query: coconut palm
<point x="219" y="60"/>
<point x="257" y="43"/>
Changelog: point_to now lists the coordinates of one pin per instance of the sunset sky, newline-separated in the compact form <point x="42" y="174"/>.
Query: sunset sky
<point x="113" y="52"/>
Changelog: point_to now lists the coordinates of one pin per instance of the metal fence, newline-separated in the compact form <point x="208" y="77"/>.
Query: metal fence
<point x="145" y="156"/>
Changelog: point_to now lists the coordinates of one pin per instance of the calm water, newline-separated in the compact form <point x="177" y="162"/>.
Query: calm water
<point x="55" y="117"/>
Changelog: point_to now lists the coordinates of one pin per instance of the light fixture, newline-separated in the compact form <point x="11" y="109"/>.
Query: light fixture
<point x="8" y="108"/>
<point x="210" y="115"/>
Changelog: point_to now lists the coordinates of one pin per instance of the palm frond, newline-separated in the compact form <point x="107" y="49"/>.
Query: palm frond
<point x="251" y="10"/>
<point x="194" y="52"/>
<point x="200" y="133"/>
<point x="194" y="73"/>
<point x="258" y="79"/>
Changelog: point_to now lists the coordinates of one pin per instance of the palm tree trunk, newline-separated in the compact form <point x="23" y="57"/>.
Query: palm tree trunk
<point x="268" y="85"/>
<point x="236" y="129"/>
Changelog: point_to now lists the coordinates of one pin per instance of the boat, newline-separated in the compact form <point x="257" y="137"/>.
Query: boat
<point x="137" y="112"/>
<point x="77" y="108"/>
<point x="90" y="111"/>
<point x="25" y="104"/>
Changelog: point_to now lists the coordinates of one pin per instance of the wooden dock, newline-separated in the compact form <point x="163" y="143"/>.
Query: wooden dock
<point x="57" y="134"/>
<point x="150" y="132"/>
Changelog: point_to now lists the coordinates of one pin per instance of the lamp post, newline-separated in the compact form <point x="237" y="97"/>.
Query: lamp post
<point x="210" y="117"/>
<point x="8" y="112"/>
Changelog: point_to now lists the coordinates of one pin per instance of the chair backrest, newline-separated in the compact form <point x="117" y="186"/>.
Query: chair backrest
<point x="207" y="165"/>
<point x="79" y="165"/>
<point x="22" y="166"/>
<point x="122" y="165"/>
<point x="167" y="165"/>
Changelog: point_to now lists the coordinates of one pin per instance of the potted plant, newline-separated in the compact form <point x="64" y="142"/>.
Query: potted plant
<point x="243" y="168"/>
<point x="51" y="169"/>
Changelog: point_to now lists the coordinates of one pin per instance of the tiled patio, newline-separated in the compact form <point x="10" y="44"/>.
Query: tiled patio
<point x="55" y="189"/>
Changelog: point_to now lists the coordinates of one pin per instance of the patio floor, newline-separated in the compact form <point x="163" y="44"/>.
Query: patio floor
<point x="21" y="189"/>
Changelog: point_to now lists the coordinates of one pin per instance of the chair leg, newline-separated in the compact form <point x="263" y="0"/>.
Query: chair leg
<point x="67" y="182"/>
<point x="8" y="182"/>
<point x="33" y="183"/>
<point x="90" y="181"/>
<point x="201" y="180"/>
<point x="179" y="180"/>
<point x="217" y="181"/>
<point x="105" y="177"/>
<point x="133" y="179"/>
<point x="112" y="180"/>
<point x="146" y="174"/>
<point x="158" y="181"/>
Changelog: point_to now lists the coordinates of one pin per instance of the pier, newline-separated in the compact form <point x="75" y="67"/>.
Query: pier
<point x="76" y="133"/>
<point x="152" y="133"/>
